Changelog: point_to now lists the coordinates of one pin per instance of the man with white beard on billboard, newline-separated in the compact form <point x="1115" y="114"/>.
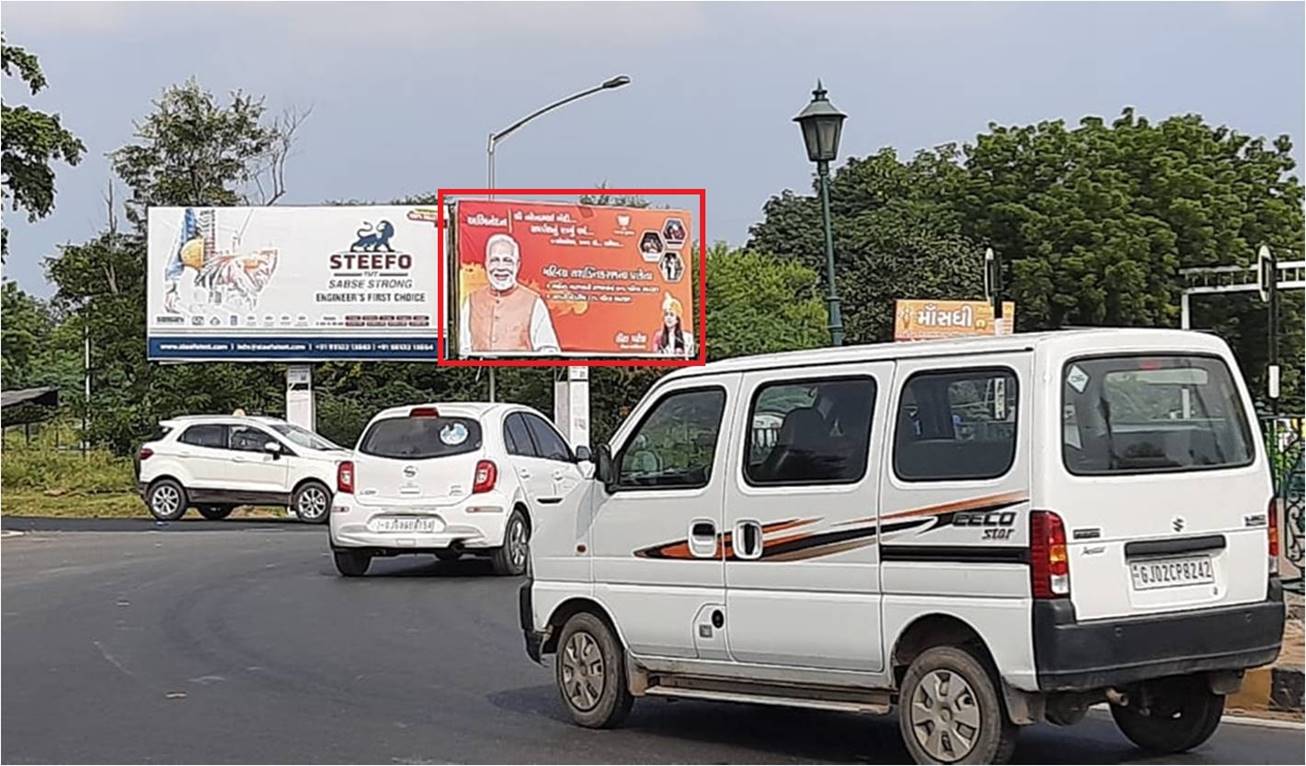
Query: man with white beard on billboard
<point x="505" y="315"/>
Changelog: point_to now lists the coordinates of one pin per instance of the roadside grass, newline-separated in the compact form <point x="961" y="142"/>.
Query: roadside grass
<point x="103" y="505"/>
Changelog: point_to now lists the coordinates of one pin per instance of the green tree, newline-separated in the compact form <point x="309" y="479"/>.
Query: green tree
<point x="27" y="327"/>
<point x="31" y="141"/>
<point x="760" y="304"/>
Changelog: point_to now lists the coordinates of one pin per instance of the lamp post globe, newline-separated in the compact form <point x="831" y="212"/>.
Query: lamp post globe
<point x="822" y="126"/>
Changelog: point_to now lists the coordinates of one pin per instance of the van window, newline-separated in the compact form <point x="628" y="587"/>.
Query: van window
<point x="675" y="444"/>
<point x="1150" y="414"/>
<point x="810" y="432"/>
<point x="421" y="437"/>
<point x="956" y="424"/>
<point x="209" y="435"/>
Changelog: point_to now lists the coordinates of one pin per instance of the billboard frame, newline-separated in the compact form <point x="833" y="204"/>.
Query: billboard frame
<point x="443" y="359"/>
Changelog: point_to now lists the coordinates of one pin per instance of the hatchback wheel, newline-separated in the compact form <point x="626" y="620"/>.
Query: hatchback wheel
<point x="167" y="500"/>
<point x="312" y="502"/>
<point x="352" y="563"/>
<point x="510" y="558"/>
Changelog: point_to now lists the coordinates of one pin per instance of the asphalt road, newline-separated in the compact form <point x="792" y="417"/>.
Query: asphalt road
<point x="237" y="642"/>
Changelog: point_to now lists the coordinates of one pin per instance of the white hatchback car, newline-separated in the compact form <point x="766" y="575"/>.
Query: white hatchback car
<point x="217" y="462"/>
<point x="449" y="479"/>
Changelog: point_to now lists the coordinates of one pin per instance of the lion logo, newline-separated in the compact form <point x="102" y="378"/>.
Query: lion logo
<point x="370" y="240"/>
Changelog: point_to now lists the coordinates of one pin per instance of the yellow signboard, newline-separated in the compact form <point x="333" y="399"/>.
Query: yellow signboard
<point x="925" y="319"/>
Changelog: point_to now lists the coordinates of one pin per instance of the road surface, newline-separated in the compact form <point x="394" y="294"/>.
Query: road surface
<point x="235" y="641"/>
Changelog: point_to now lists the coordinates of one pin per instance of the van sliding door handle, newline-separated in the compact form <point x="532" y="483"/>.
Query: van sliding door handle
<point x="703" y="529"/>
<point x="702" y="539"/>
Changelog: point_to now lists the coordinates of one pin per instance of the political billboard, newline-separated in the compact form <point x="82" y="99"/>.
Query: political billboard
<point x="930" y="319"/>
<point x="545" y="279"/>
<point x="292" y="283"/>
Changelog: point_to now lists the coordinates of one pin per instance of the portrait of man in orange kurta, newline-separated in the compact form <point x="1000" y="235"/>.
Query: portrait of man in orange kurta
<point x="505" y="315"/>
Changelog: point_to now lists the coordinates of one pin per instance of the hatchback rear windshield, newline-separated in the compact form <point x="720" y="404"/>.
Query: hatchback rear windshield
<point x="421" y="438"/>
<point x="1151" y="414"/>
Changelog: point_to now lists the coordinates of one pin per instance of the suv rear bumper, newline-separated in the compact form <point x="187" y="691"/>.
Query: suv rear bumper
<point x="1080" y="656"/>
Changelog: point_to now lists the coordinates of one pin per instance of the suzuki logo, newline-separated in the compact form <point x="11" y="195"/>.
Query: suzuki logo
<point x="1178" y="523"/>
<point x="409" y="471"/>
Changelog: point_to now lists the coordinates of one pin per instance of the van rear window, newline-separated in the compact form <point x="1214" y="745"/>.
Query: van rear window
<point x="421" y="437"/>
<point x="1151" y="414"/>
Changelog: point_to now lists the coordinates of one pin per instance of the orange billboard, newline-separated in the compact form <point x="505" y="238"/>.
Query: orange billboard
<point x="544" y="279"/>
<point x="928" y="319"/>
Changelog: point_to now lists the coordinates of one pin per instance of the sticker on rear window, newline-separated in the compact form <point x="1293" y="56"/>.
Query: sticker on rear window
<point x="1077" y="378"/>
<point x="453" y="434"/>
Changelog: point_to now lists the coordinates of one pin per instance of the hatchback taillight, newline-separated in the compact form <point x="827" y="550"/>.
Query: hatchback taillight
<point x="1049" y="565"/>
<point x="144" y="454"/>
<point x="487" y="473"/>
<point x="1272" y="520"/>
<point x="345" y="477"/>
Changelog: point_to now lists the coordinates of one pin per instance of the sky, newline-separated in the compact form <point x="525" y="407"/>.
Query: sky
<point x="403" y="95"/>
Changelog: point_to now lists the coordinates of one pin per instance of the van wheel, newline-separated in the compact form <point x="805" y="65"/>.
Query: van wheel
<point x="510" y="558"/>
<point x="167" y="500"/>
<point x="949" y="711"/>
<point x="312" y="502"/>
<point x="591" y="673"/>
<point x="352" y="563"/>
<point x="216" y="512"/>
<point x="1178" y="716"/>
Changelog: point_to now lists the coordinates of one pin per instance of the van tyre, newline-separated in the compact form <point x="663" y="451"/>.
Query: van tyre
<point x="510" y="558"/>
<point x="167" y="500"/>
<point x="590" y="668"/>
<point x="1179" y="716"/>
<point x="311" y="502"/>
<point x="216" y="512"/>
<point x="949" y="710"/>
<point x="352" y="563"/>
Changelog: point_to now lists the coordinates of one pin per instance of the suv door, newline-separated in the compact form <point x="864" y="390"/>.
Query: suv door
<point x="802" y="561"/>
<point x="656" y="532"/>
<point x="251" y="468"/>
<point x="560" y="472"/>
<point x="202" y="448"/>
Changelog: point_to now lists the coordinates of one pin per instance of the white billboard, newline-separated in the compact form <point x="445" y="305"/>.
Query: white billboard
<point x="292" y="283"/>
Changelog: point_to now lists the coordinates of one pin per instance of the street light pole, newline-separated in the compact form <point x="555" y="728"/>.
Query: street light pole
<point x="609" y="84"/>
<point x="832" y="299"/>
<point x="822" y="124"/>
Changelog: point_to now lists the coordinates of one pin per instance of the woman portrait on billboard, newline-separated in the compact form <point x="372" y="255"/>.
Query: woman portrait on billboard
<point x="671" y="339"/>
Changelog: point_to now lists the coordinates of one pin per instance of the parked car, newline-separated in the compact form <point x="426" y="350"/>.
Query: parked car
<point x="215" y="463"/>
<point x="450" y="479"/>
<point x="987" y="533"/>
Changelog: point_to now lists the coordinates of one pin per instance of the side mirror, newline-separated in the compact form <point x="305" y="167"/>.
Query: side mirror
<point x="604" y="467"/>
<point x="273" y="449"/>
<point x="583" y="454"/>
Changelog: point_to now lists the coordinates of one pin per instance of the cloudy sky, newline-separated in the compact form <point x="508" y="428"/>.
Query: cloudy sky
<point x="404" y="94"/>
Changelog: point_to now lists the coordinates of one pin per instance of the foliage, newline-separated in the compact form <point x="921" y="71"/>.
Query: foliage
<point x="30" y="142"/>
<point x="760" y="304"/>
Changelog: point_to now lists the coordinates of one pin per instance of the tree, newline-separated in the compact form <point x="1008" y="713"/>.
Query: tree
<point x="760" y="304"/>
<point x="31" y="141"/>
<point x="27" y="327"/>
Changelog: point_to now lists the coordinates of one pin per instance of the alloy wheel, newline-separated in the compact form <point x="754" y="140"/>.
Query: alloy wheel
<point x="165" y="500"/>
<point x="312" y="503"/>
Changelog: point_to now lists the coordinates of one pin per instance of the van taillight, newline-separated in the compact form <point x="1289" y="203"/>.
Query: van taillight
<point x="145" y="453"/>
<point x="487" y="473"/>
<point x="1049" y="567"/>
<point x="1272" y="519"/>
<point x="345" y="477"/>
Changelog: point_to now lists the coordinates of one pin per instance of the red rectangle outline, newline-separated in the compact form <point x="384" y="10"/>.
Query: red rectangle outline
<point x="700" y="359"/>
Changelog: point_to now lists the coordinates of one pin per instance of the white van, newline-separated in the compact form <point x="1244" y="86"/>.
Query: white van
<point x="987" y="533"/>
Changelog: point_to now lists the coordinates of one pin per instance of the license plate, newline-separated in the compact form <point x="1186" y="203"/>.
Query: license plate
<point x="1171" y="573"/>
<point x="411" y="524"/>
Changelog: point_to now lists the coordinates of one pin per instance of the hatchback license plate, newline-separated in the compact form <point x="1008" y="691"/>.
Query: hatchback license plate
<point x="415" y="524"/>
<point x="1171" y="573"/>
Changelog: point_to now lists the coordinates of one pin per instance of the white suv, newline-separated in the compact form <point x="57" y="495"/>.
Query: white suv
<point x="449" y="479"/>
<point x="216" y="462"/>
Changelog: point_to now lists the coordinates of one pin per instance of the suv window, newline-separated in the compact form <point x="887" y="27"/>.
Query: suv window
<point x="517" y="437"/>
<point x="675" y="444"/>
<point x="209" y="435"/>
<point x="249" y="439"/>
<point x="548" y="444"/>
<point x="419" y="438"/>
<point x="810" y="432"/>
<point x="1151" y="414"/>
<point x="956" y="424"/>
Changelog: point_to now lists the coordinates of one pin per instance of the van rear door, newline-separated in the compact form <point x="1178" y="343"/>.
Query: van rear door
<point x="1165" y="494"/>
<point x="417" y="459"/>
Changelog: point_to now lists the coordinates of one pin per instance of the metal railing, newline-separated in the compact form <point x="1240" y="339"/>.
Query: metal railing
<point x="1284" y="442"/>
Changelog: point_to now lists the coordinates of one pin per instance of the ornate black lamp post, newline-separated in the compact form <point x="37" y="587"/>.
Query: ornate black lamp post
<point x="822" y="124"/>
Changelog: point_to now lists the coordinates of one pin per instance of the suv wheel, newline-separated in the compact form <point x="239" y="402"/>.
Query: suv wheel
<point x="949" y="711"/>
<point x="510" y="558"/>
<point x="352" y="563"/>
<point x="167" y="500"/>
<point x="1174" y="716"/>
<point x="216" y="512"/>
<point x="590" y="670"/>
<point x="312" y="502"/>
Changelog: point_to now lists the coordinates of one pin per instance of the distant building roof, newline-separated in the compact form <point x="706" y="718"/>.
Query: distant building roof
<point x="46" y="396"/>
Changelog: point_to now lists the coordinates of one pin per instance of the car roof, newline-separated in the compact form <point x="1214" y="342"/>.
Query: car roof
<point x="180" y="420"/>
<point x="457" y="409"/>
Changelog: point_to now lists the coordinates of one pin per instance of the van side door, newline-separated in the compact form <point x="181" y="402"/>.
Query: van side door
<point x="656" y="531"/>
<point x="802" y="564"/>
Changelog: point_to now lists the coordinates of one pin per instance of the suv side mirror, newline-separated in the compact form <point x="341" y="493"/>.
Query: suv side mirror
<point x="273" y="449"/>
<point x="604" y="467"/>
<point x="583" y="454"/>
